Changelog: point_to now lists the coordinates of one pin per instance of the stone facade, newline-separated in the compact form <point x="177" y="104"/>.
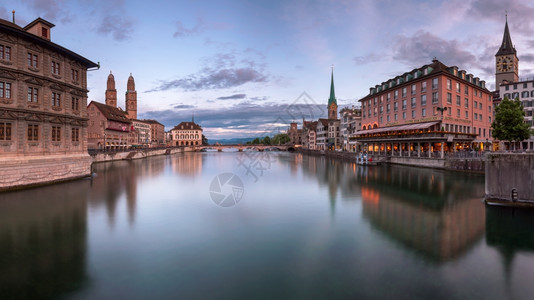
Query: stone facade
<point x="186" y="134"/>
<point x="43" y="100"/>
<point x="157" y="133"/>
<point x="109" y="127"/>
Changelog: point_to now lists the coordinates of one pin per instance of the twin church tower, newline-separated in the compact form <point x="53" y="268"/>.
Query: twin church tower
<point x="131" y="96"/>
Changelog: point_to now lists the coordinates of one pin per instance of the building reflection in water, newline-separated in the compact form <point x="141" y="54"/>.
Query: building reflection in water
<point x="188" y="163"/>
<point x="43" y="241"/>
<point x="424" y="210"/>
<point x="508" y="230"/>
<point x="114" y="182"/>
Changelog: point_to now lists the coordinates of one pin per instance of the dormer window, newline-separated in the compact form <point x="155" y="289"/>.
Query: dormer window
<point x="44" y="32"/>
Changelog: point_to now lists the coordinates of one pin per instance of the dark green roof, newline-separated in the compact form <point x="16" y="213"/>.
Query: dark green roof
<point x="332" y="98"/>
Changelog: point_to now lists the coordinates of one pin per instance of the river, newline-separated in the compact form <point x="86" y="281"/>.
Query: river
<point x="263" y="225"/>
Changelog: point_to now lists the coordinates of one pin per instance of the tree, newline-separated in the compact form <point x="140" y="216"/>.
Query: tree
<point x="509" y="124"/>
<point x="266" y="140"/>
<point x="280" y="139"/>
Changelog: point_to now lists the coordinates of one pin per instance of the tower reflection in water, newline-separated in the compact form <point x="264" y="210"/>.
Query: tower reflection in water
<point x="43" y="241"/>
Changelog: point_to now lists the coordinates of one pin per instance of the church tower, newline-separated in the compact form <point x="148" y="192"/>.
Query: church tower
<point x="506" y="61"/>
<point x="332" y="102"/>
<point x="131" y="98"/>
<point x="111" y="92"/>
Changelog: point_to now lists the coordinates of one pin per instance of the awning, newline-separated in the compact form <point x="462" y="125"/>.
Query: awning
<point x="415" y="126"/>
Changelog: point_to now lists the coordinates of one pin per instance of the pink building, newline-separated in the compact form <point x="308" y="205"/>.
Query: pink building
<point x="427" y="112"/>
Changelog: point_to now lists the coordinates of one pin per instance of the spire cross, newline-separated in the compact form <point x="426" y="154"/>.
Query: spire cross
<point x="506" y="15"/>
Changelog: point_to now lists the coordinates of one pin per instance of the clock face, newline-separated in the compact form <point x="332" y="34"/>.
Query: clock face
<point x="504" y="64"/>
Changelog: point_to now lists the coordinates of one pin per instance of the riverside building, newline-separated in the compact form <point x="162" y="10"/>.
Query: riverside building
<point x="43" y="107"/>
<point x="427" y="112"/>
<point x="186" y="134"/>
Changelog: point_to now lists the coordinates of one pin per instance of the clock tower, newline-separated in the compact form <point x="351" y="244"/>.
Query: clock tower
<point x="506" y="61"/>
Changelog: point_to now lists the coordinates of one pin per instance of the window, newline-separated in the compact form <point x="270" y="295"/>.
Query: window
<point x="489" y="108"/>
<point x="414" y="102"/>
<point x="381" y="109"/>
<point x="396" y="94"/>
<point x="33" y="132"/>
<point x="388" y="97"/>
<point x="466" y="114"/>
<point x="423" y="100"/>
<point x="44" y="32"/>
<point x="449" y="84"/>
<point x="466" y="90"/>
<point x="75" y="136"/>
<point x="423" y="112"/>
<point x="5" y="131"/>
<point x="434" y="83"/>
<point x="457" y="87"/>
<point x="56" y="133"/>
<point x="507" y="87"/>
<point x="449" y="98"/>
<point x="33" y="94"/>
<point x="5" y="90"/>
<point x="32" y="60"/>
<point x="55" y="68"/>
<point x="56" y="99"/>
<point x="75" y="103"/>
<point x="74" y="75"/>
<point x="524" y="94"/>
<point x="396" y="117"/>
<point x="480" y="105"/>
<point x="449" y="110"/>
<point x="476" y="116"/>
<point x="458" y="112"/>
<point x="413" y="89"/>
<point x="388" y="118"/>
<point x="434" y="98"/>
<point x="480" y="117"/>
<point x="388" y="108"/>
<point x="466" y="103"/>
<point x="413" y="114"/>
<point x="403" y="92"/>
<point x="395" y="106"/>
<point x="5" y="52"/>
<point x="404" y="104"/>
<point x="423" y="86"/>
<point x="404" y="115"/>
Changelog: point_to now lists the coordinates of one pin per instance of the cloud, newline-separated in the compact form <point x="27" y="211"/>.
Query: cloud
<point x="236" y="96"/>
<point x="183" y="106"/>
<point x="182" y="31"/>
<point x="121" y="28"/>
<point x="222" y="71"/>
<point x="519" y="13"/>
<point x="51" y="10"/>
<point x="231" y="121"/>
<point x="423" y="46"/>
<point x="366" y="59"/>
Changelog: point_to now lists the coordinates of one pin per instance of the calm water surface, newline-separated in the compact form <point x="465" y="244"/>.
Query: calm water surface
<point x="305" y="227"/>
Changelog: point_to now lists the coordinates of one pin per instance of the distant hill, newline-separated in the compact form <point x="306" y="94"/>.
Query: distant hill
<point x="231" y="141"/>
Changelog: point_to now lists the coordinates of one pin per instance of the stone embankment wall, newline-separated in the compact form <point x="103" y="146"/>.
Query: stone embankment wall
<point x="18" y="172"/>
<point x="471" y="164"/>
<point x="136" y="154"/>
<point x="510" y="179"/>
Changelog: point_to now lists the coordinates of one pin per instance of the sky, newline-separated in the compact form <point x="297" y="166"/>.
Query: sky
<point x="248" y="68"/>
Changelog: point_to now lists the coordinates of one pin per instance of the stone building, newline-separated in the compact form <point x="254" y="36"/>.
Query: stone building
<point x="295" y="134"/>
<point x="351" y="122"/>
<point x="157" y="133"/>
<point x="309" y="135"/>
<point x="43" y="100"/>
<point x="143" y="133"/>
<point x="428" y="111"/>
<point x="109" y="127"/>
<point x="509" y="85"/>
<point x="186" y="134"/>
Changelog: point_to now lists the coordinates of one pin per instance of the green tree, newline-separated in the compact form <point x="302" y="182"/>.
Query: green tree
<point x="256" y="141"/>
<point x="509" y="124"/>
<point x="204" y="140"/>
<point x="280" y="139"/>
<point x="266" y="140"/>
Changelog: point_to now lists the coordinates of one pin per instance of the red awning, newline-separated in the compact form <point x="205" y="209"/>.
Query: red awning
<point x="414" y="126"/>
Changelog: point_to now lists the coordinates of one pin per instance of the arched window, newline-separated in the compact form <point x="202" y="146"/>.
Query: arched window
<point x="515" y="95"/>
<point x="507" y="95"/>
<point x="182" y="137"/>
<point x="196" y="136"/>
<point x="364" y="127"/>
<point x="375" y="126"/>
<point x="187" y="136"/>
<point x="531" y="93"/>
<point x="524" y="94"/>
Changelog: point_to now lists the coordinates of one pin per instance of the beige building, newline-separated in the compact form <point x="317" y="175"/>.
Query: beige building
<point x="157" y="133"/>
<point x="109" y="128"/>
<point x="186" y="134"/>
<point x="142" y="133"/>
<point x="43" y="100"/>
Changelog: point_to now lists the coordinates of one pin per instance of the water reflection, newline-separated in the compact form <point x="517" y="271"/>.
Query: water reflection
<point x="43" y="240"/>
<point x="424" y="210"/>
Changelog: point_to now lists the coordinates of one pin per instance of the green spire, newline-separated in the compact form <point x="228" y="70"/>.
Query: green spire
<point x="332" y="98"/>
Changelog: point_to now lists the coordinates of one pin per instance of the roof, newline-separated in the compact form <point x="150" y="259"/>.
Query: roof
<point x="187" y="126"/>
<point x="17" y="30"/>
<point x="324" y="122"/>
<point x="38" y="20"/>
<point x="506" y="47"/>
<point x="398" y="128"/>
<point x="152" y="121"/>
<point x="332" y="98"/>
<point x="111" y="113"/>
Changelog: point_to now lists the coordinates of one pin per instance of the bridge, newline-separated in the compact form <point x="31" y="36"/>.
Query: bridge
<point x="241" y="148"/>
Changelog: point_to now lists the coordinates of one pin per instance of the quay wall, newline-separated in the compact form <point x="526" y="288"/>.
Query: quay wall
<point x="510" y="179"/>
<point x="136" y="154"/>
<point x="25" y="171"/>
<point x="469" y="164"/>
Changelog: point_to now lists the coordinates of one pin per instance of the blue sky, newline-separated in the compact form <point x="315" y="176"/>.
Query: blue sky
<point x="247" y="68"/>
